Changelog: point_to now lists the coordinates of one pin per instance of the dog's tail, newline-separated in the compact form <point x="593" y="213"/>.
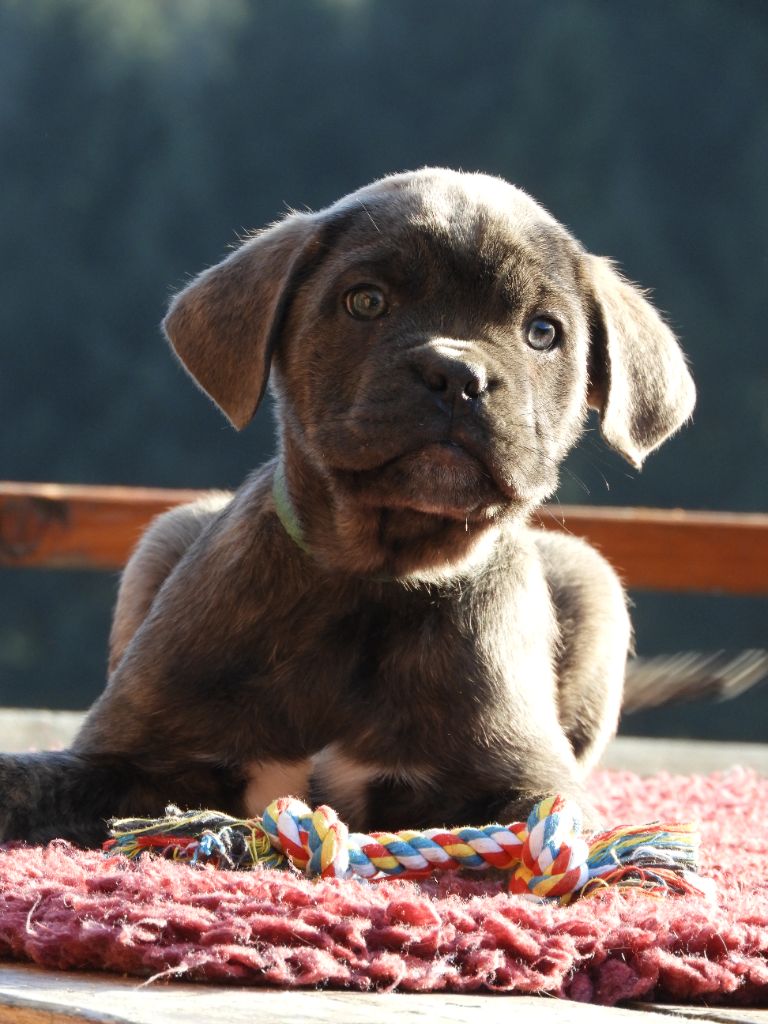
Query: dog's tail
<point x="675" y="678"/>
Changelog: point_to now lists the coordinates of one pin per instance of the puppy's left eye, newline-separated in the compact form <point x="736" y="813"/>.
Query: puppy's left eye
<point x="542" y="334"/>
<point x="366" y="302"/>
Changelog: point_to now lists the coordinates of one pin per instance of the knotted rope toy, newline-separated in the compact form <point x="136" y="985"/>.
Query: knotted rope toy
<point x="546" y="856"/>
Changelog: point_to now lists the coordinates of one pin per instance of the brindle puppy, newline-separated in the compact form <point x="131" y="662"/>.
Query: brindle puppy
<point x="369" y="620"/>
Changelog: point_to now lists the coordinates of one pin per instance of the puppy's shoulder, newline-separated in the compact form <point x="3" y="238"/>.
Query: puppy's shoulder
<point x="225" y="520"/>
<point x="173" y="532"/>
<point x="215" y="517"/>
<point x="572" y="564"/>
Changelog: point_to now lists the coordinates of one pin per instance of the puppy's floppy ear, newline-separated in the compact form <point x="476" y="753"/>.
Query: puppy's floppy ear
<point x="639" y="381"/>
<point x="223" y="326"/>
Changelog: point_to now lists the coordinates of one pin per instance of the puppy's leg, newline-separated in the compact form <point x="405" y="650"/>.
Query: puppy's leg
<point x="161" y="547"/>
<point x="71" y="795"/>
<point x="183" y="714"/>
<point x="61" y="795"/>
<point x="595" y="636"/>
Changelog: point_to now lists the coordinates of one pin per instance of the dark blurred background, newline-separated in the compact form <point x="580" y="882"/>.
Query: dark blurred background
<point x="138" y="137"/>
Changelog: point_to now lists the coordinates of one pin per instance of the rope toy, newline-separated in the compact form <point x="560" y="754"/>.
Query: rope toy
<point x="546" y="856"/>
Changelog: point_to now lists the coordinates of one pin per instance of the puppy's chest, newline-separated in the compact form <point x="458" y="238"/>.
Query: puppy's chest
<point x="382" y="688"/>
<point x="421" y="655"/>
<point x="379" y="657"/>
<point x="397" y="691"/>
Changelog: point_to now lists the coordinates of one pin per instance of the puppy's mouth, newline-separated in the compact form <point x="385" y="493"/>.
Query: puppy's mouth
<point x="441" y="478"/>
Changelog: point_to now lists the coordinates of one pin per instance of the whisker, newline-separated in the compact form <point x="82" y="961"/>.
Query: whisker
<point x="547" y="510"/>
<point x="577" y="479"/>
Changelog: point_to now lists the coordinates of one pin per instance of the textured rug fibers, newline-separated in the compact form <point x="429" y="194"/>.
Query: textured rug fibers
<point x="65" y="909"/>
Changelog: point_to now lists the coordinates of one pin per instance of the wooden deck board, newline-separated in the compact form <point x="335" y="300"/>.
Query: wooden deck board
<point x="720" y="1014"/>
<point x="29" y="995"/>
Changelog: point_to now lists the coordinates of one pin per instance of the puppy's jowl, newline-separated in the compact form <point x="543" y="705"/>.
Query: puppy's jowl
<point x="369" y="621"/>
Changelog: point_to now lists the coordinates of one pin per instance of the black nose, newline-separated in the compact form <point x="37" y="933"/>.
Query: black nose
<point x="449" y="377"/>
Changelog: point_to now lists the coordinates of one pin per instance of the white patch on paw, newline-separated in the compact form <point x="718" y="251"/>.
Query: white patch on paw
<point x="267" y="780"/>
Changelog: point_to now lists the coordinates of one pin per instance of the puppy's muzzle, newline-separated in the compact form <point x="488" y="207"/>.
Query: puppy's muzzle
<point x="453" y="379"/>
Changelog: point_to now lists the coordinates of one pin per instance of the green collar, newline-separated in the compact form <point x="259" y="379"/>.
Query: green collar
<point x="286" y="513"/>
<point x="285" y="510"/>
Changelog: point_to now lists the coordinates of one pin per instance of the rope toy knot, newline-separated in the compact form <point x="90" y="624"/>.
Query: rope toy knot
<point x="554" y="856"/>
<point x="316" y="842"/>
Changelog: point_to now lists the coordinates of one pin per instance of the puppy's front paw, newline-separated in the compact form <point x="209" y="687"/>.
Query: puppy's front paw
<point x="8" y="799"/>
<point x="591" y="819"/>
<point x="585" y="814"/>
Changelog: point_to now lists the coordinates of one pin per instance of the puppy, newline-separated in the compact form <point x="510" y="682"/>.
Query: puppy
<point x="369" y="621"/>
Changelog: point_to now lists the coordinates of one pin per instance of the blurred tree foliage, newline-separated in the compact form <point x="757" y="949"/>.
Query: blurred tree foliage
<point x="137" y="138"/>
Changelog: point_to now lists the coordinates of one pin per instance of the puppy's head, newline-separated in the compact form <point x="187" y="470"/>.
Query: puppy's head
<point x="435" y="339"/>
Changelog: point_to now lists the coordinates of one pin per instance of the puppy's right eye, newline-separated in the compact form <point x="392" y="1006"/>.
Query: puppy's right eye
<point x="366" y="302"/>
<point x="542" y="334"/>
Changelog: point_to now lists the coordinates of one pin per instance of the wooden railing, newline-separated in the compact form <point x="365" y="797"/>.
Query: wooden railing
<point x="72" y="527"/>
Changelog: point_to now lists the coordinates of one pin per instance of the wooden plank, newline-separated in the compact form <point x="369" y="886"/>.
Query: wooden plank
<point x="672" y="549"/>
<point x="60" y="526"/>
<point x="24" y="729"/>
<point x="717" y="1014"/>
<point x="67" y="998"/>
<point x="646" y="755"/>
<point x="22" y="1010"/>
<point x="65" y="526"/>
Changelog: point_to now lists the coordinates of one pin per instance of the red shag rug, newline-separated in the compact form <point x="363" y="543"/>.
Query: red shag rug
<point x="65" y="909"/>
